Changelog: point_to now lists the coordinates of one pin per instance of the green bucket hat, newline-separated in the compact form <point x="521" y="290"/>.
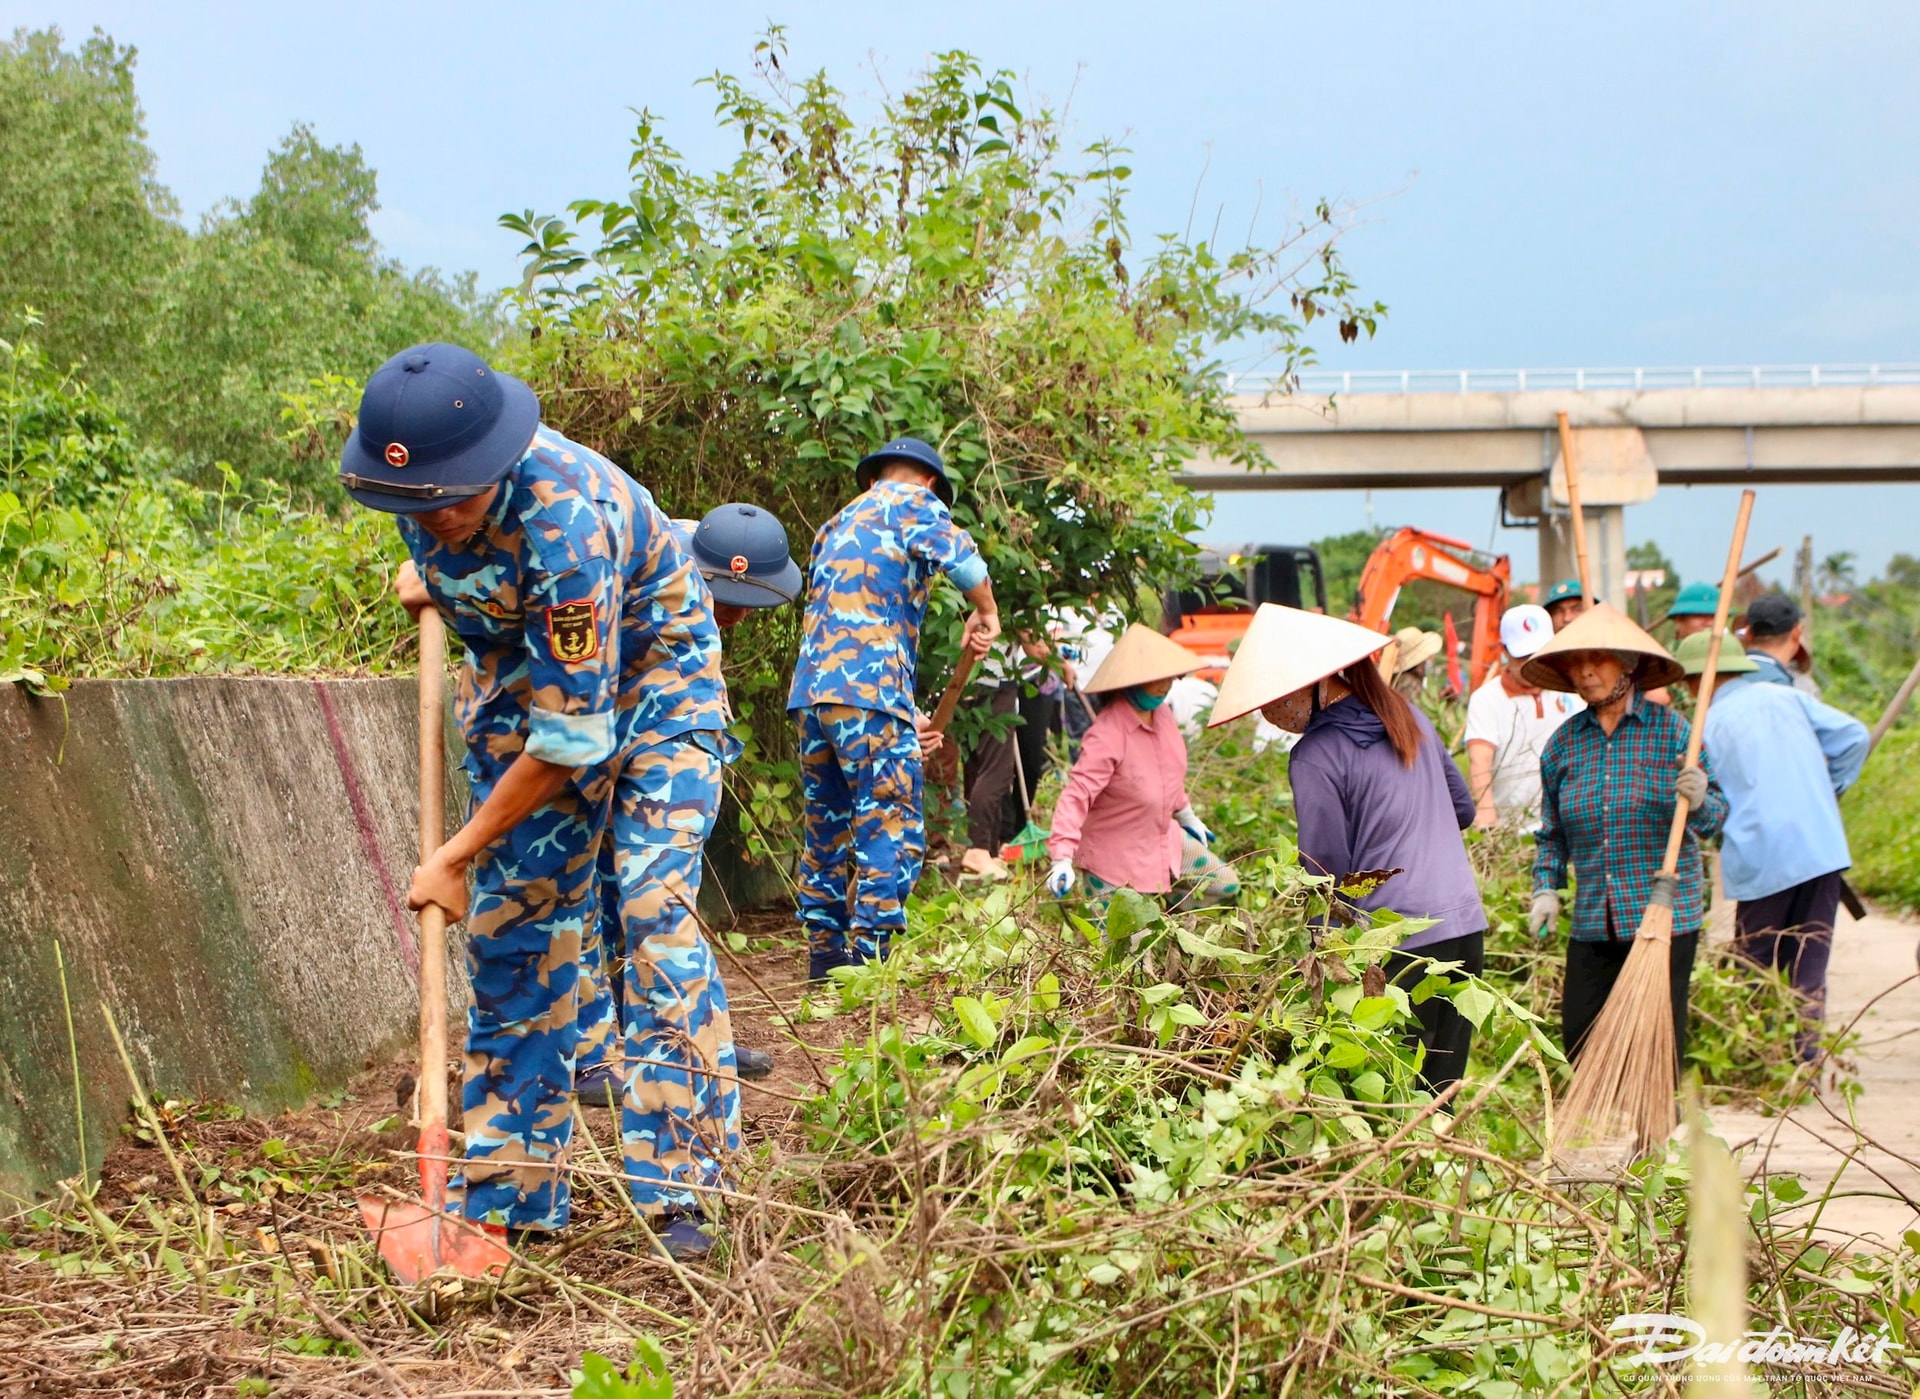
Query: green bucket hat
<point x="1692" y="654"/>
<point x="1564" y="589"/>
<point x="1696" y="600"/>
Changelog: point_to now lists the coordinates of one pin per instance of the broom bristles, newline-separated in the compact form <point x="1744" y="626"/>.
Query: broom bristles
<point x="1623" y="1076"/>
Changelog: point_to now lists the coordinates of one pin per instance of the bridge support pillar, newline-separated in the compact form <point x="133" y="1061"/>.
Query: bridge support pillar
<point x="1606" y="551"/>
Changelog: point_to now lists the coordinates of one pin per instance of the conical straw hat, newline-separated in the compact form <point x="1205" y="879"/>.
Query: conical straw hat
<point x="1602" y="627"/>
<point x="1286" y="649"/>
<point x="1141" y="657"/>
<point x="1416" y="648"/>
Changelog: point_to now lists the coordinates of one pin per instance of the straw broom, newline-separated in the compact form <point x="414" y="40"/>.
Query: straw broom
<point x="1623" y="1082"/>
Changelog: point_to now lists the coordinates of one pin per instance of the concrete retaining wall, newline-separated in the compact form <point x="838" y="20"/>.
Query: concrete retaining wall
<point x="221" y="861"/>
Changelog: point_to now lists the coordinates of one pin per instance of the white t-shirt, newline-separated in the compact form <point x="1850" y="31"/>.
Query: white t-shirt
<point x="1518" y="727"/>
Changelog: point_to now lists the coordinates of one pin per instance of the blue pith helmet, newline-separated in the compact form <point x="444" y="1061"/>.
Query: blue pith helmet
<point x="436" y="427"/>
<point x="1564" y="589"/>
<point x="907" y="449"/>
<point x="1696" y="600"/>
<point x="741" y="551"/>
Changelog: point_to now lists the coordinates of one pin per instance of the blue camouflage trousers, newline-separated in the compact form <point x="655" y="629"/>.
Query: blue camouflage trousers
<point x="537" y="963"/>
<point x="864" y="834"/>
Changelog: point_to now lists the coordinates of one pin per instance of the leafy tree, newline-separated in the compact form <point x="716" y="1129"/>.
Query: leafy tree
<point x="316" y="200"/>
<point x="86" y="228"/>
<point x="276" y="293"/>
<point x="198" y="338"/>
<point x="1344" y="557"/>
<point x="948" y="268"/>
<point x="1838" y="572"/>
<point x="1651" y="604"/>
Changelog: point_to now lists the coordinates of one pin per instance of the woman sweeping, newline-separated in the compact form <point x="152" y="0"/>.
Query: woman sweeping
<point x="1373" y="789"/>
<point x="1124" y="817"/>
<point x="1608" y="781"/>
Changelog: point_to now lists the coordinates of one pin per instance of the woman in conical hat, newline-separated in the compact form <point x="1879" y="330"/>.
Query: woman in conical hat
<point x="1124" y="817"/>
<point x="1373" y="790"/>
<point x="1608" y="780"/>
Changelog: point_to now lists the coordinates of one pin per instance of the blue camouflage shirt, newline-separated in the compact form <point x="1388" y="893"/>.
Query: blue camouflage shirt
<point x="588" y="630"/>
<point x="868" y="579"/>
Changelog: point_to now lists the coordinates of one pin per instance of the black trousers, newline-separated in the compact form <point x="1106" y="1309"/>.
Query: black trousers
<point x="1792" y="931"/>
<point x="1446" y="1033"/>
<point x="991" y="772"/>
<point x="1593" y="965"/>
<point x="1038" y="713"/>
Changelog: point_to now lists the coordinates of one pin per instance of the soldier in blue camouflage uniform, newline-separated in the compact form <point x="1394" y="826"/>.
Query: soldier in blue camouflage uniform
<point x="594" y="712"/>
<point x="741" y="552"/>
<point x="868" y="579"/>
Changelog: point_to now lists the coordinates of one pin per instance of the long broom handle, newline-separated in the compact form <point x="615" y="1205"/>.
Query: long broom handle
<point x="433" y="918"/>
<point x="1698" y="733"/>
<point x="1579" y="516"/>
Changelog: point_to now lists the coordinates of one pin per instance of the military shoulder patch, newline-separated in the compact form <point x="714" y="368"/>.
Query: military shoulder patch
<point x="573" y="631"/>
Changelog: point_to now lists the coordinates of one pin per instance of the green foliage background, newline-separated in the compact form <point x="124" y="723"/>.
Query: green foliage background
<point x="946" y="267"/>
<point x="195" y="336"/>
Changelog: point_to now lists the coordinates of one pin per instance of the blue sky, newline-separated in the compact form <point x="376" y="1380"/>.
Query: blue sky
<point x="1539" y="184"/>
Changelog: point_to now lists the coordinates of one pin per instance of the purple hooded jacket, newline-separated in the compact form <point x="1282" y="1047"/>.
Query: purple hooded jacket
<point x="1359" y="809"/>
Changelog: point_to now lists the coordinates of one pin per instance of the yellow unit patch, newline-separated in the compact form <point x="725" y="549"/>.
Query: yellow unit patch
<point x="573" y="631"/>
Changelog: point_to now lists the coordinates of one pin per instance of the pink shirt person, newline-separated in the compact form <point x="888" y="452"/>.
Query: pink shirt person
<point x="1115" y="818"/>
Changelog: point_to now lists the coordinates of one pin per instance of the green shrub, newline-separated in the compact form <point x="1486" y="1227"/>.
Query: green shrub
<point x="110" y="567"/>
<point x="1883" y="822"/>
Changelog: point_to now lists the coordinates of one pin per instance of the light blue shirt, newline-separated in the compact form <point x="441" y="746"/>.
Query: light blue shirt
<point x="1783" y="758"/>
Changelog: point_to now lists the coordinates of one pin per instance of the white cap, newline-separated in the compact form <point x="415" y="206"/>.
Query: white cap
<point x="1525" y="629"/>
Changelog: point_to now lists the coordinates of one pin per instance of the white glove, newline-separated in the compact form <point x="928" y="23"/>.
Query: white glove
<point x="1060" y="879"/>
<point x="1187" y="821"/>
<point x="1545" y="913"/>
<point x="1691" y="786"/>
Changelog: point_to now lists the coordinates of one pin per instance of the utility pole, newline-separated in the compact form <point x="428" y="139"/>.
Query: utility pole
<point x="1803" y="583"/>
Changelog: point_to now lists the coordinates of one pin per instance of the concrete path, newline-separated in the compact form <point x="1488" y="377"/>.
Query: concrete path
<point x="1868" y="1151"/>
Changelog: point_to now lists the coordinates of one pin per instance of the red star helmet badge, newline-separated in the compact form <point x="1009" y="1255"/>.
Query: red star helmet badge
<point x="739" y="564"/>
<point x="397" y="455"/>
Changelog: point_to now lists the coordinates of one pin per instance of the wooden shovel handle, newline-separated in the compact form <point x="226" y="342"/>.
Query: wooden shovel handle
<point x="433" y="918"/>
<point x="1573" y="503"/>
<point x="1697" y="734"/>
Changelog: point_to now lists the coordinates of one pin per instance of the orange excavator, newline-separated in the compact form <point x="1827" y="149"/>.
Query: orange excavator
<point x="1408" y="554"/>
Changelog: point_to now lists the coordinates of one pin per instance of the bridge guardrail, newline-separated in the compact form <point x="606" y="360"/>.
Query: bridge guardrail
<point x="1635" y="379"/>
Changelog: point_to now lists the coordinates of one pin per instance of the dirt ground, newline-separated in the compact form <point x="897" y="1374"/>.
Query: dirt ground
<point x="72" y="1323"/>
<point x="1862" y="1156"/>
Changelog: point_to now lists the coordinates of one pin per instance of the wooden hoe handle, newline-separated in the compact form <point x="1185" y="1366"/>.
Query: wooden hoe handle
<point x="950" y="697"/>
<point x="433" y="918"/>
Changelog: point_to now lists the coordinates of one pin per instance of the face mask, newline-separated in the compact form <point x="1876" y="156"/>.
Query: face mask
<point x="1145" y="702"/>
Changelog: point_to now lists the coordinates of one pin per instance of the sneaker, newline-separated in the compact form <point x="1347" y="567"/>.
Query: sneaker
<point x="685" y="1238"/>
<point x="750" y="1063"/>
<point x="600" y="1086"/>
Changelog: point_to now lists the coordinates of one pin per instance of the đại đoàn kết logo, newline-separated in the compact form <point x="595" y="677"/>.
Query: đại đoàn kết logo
<point x="1666" y="1339"/>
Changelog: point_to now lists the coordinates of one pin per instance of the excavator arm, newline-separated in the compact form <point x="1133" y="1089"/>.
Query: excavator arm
<point x="1410" y="553"/>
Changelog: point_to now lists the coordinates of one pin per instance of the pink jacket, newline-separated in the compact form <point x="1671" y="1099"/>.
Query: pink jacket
<point x="1115" y="818"/>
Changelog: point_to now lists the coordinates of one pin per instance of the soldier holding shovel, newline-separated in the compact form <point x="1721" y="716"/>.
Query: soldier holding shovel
<point x="594" y="711"/>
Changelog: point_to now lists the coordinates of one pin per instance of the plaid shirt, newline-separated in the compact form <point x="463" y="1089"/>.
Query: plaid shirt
<point x="1607" y="804"/>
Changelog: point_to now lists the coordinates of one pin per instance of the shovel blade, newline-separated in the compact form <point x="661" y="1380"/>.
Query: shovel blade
<point x="418" y="1242"/>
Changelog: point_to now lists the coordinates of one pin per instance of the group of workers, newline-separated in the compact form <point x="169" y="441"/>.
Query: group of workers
<point x="596" y="722"/>
<point x="1576" y="741"/>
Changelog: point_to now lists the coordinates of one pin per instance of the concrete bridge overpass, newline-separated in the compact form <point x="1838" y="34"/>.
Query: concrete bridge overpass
<point x="1636" y="428"/>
